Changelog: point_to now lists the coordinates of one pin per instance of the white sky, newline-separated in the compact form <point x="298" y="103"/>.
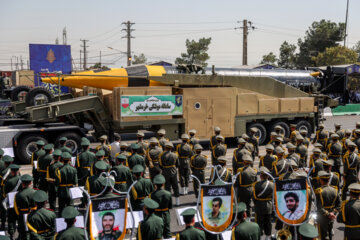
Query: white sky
<point x="162" y="27"/>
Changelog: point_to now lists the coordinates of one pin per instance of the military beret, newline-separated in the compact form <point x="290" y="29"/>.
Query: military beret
<point x="241" y="140"/>
<point x="354" y="187"/>
<point x="169" y="144"/>
<point x="121" y="157"/>
<point x="293" y="163"/>
<point x="138" y="169"/>
<point x="323" y="174"/>
<point x="153" y="140"/>
<point x="221" y="159"/>
<point x="40" y="143"/>
<point x="103" y="137"/>
<point x="244" y="135"/>
<point x="159" y="179"/>
<point x="69" y="212"/>
<point x="264" y="170"/>
<point x="337" y="125"/>
<point x="219" y="182"/>
<point x="26" y="178"/>
<point x="124" y="144"/>
<point x="316" y="150"/>
<point x="269" y="147"/>
<point x="219" y="137"/>
<point x="293" y="125"/>
<point x="247" y="158"/>
<point x="134" y="146"/>
<point x="7" y="159"/>
<point x="309" y="231"/>
<point x="101" y="165"/>
<point x="100" y="153"/>
<point x="49" y="146"/>
<point x="184" y="136"/>
<point x="289" y="145"/>
<point x="279" y="138"/>
<point x="253" y="129"/>
<point x="217" y="129"/>
<point x="318" y="145"/>
<point x="1" y="152"/>
<point x="66" y="155"/>
<point x="161" y="131"/>
<point x="40" y="196"/>
<point x="151" y="204"/>
<point x="63" y="139"/>
<point x="352" y="144"/>
<point x="14" y="167"/>
<point x="303" y="131"/>
<point x="198" y="147"/>
<point x="329" y="162"/>
<point x="321" y="125"/>
<point x="301" y="174"/>
<point x="277" y="127"/>
<point x="141" y="134"/>
<point x="334" y="135"/>
<point x="192" y="131"/>
<point x="241" y="207"/>
<point x="279" y="150"/>
<point x="85" y="142"/>
<point x="57" y="153"/>
<point x="107" y="181"/>
<point x="347" y="131"/>
<point x="188" y="212"/>
<point x="299" y="137"/>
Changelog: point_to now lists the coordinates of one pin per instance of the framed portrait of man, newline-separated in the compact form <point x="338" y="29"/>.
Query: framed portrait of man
<point x="108" y="218"/>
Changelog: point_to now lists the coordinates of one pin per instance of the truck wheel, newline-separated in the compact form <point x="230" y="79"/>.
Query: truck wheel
<point x="303" y="124"/>
<point x="285" y="128"/>
<point x="19" y="93"/>
<point x="261" y="133"/>
<point x="73" y="142"/>
<point x="38" y="96"/>
<point x="26" y="146"/>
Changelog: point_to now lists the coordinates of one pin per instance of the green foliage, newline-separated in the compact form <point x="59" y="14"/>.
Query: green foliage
<point x="356" y="48"/>
<point x="335" y="56"/>
<point x="196" y="52"/>
<point x="287" y="57"/>
<point x="269" y="58"/>
<point x="98" y="66"/>
<point x="139" y="59"/>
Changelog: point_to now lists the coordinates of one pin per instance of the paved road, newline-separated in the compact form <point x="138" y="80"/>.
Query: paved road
<point x="189" y="200"/>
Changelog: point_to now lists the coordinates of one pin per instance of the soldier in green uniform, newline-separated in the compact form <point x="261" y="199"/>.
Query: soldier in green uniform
<point x="218" y="150"/>
<point x="280" y="166"/>
<point x="323" y="154"/>
<point x="339" y="131"/>
<point x="190" y="232"/>
<point x="142" y="188"/>
<point x="123" y="178"/>
<point x="308" y="231"/>
<point x="164" y="199"/>
<point x="4" y="175"/>
<point x="334" y="151"/>
<point x="301" y="149"/>
<point x="135" y="158"/>
<point x="152" y="157"/>
<point x="161" y="138"/>
<point x="93" y="183"/>
<point x="268" y="159"/>
<point x="71" y="232"/>
<point x="34" y="158"/>
<point x="107" y="184"/>
<point x="304" y="134"/>
<point x="224" y="173"/>
<point x="245" y="229"/>
<point x="198" y="164"/>
<point x="237" y="161"/>
<point x="66" y="178"/>
<point x="100" y="156"/>
<point x="350" y="213"/>
<point x="169" y="162"/>
<point x="41" y="222"/>
<point x="23" y="204"/>
<point x="213" y="141"/>
<point x="316" y="162"/>
<point x="51" y="176"/>
<point x="334" y="179"/>
<point x="184" y="152"/>
<point x="351" y="169"/>
<point x="262" y="197"/>
<point x="84" y="162"/>
<point x="321" y="137"/>
<point x="248" y="146"/>
<point x="292" y="153"/>
<point x="152" y="227"/>
<point x="193" y="140"/>
<point x="328" y="204"/>
<point x="143" y="145"/>
<point x="43" y="164"/>
<point x="254" y="140"/>
<point x="105" y="147"/>
<point x="244" y="182"/>
<point x="63" y="147"/>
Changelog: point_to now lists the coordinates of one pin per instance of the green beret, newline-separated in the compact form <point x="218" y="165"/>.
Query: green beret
<point x="138" y="169"/>
<point x="65" y="155"/>
<point x="63" y="139"/>
<point x="85" y="142"/>
<point x="57" y="152"/>
<point x="219" y="182"/>
<point x="69" y="212"/>
<point x="134" y="146"/>
<point x="7" y="159"/>
<point x="101" y="165"/>
<point x="100" y="153"/>
<point x="159" y="179"/>
<point x="188" y="212"/>
<point x="26" y="178"/>
<point x="309" y="231"/>
<point x="40" y="196"/>
<point x="40" y="143"/>
<point x="49" y="146"/>
<point x="1" y="152"/>
<point x="241" y="207"/>
<point x="151" y="204"/>
<point x="107" y="182"/>
<point x="121" y="157"/>
<point x="14" y="167"/>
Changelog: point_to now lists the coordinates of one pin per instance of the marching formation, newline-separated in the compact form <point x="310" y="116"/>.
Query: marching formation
<point x="333" y="168"/>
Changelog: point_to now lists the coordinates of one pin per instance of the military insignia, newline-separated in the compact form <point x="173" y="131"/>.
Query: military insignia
<point x="50" y="56"/>
<point x="178" y="100"/>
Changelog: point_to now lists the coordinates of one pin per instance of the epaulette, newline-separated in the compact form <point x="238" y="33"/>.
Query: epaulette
<point x="318" y="190"/>
<point x="49" y="209"/>
<point x="205" y="156"/>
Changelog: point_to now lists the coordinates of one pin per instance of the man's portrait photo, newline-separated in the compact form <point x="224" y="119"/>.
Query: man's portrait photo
<point x="108" y="231"/>
<point x="292" y="204"/>
<point x="217" y="210"/>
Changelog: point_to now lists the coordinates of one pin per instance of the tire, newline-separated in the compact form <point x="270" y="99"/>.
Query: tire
<point x="38" y="94"/>
<point x="26" y="146"/>
<point x="303" y="124"/>
<point x="283" y="125"/>
<point x="19" y="93"/>
<point x="261" y="131"/>
<point x="73" y="142"/>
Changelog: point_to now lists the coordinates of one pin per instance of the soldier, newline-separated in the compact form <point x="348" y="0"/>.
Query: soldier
<point x="237" y="161"/>
<point x="63" y="147"/>
<point x="213" y="140"/>
<point x="350" y="213"/>
<point x="292" y="153"/>
<point x="254" y="140"/>
<point x="34" y="158"/>
<point x="107" y="184"/>
<point x="269" y="158"/>
<point x="278" y="142"/>
<point x="152" y="227"/>
<point x="105" y="147"/>
<point x="224" y="173"/>
<point x="198" y="164"/>
<point x="71" y="232"/>
<point x="41" y="222"/>
<point x="115" y="145"/>
<point x="135" y="157"/>
<point x="218" y="150"/>
<point x="357" y="126"/>
<point x="248" y="146"/>
<point x="273" y="136"/>
<point x="262" y="196"/>
<point x="51" y="176"/>
<point x="169" y="162"/>
<point x="339" y="131"/>
<point x="190" y="233"/>
<point x="280" y="166"/>
<point x="164" y="199"/>
<point x="351" y="169"/>
<point x="193" y="140"/>
<point x="334" y="179"/>
<point x="66" y="177"/>
<point x="124" y="149"/>
<point x="316" y="162"/>
<point x="93" y="183"/>
<point x="84" y="162"/>
<point x="304" y="133"/>
<point x="100" y="156"/>
<point x="245" y="229"/>
<point x="293" y="133"/>
<point x="152" y="157"/>
<point x="356" y="138"/>
<point x="23" y="204"/>
<point x="123" y="178"/>
<point x="4" y="175"/>
<point x="246" y="179"/>
<point x="301" y="149"/>
<point x="308" y="231"/>
<point x="279" y="131"/>
<point x="42" y="165"/>
<point x="347" y="137"/>
<point x="334" y="152"/>
<point x="328" y="204"/>
<point x="2" y="164"/>
<point x="321" y="136"/>
<point x="323" y="154"/>
<point x="184" y="153"/>
<point x="141" y="189"/>
<point x="143" y="145"/>
<point x="161" y="138"/>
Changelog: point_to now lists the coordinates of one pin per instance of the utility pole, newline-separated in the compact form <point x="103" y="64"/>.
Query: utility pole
<point x="100" y="59"/>
<point x="80" y="60"/>
<point x="64" y="36"/>
<point x="21" y="63"/>
<point x="11" y="63"/>
<point x="128" y="31"/>
<point x="84" y="51"/>
<point x="346" y="20"/>
<point x="246" y="26"/>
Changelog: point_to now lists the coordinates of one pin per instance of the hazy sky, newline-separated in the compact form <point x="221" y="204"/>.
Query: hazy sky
<point x="161" y="27"/>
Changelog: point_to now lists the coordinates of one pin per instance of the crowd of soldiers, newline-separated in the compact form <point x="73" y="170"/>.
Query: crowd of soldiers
<point x="118" y="165"/>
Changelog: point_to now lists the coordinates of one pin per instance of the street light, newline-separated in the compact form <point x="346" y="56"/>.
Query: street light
<point x="116" y="50"/>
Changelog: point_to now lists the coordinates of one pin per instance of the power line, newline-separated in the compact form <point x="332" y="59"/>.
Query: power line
<point x="128" y="31"/>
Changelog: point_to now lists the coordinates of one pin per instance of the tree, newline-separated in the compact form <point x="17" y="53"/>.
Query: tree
<point x="98" y="66"/>
<point x="321" y="35"/>
<point x="335" y="56"/>
<point x="356" y="48"/>
<point x="196" y="52"/>
<point x="287" y="57"/>
<point x="269" y="58"/>
<point x="139" y="59"/>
